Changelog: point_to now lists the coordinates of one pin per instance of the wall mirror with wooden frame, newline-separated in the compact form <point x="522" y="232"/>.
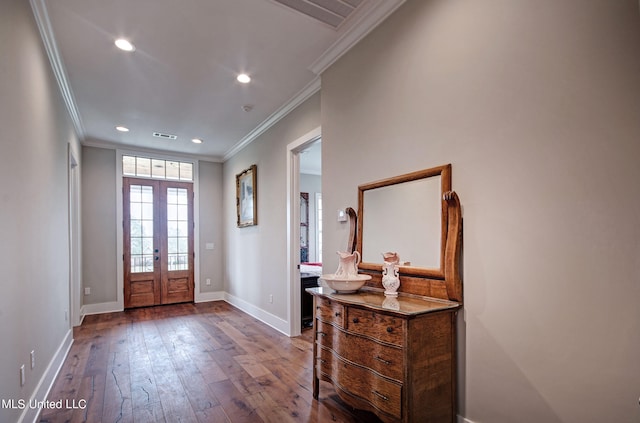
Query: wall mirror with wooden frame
<point x="418" y="216"/>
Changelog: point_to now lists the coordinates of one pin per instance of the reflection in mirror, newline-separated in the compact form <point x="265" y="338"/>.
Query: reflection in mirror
<point x="396" y="214"/>
<point x="405" y="214"/>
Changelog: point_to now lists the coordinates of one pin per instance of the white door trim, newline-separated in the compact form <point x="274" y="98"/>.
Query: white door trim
<point x="75" y="268"/>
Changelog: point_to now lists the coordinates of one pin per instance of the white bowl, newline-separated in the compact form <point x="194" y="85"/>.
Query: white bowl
<point x="344" y="285"/>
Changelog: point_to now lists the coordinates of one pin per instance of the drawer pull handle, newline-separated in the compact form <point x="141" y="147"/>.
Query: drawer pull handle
<point x="321" y="334"/>
<point x="322" y="360"/>
<point x="377" y="357"/>
<point x="337" y="314"/>
<point x="384" y="397"/>
<point x="389" y="329"/>
<point x="356" y="320"/>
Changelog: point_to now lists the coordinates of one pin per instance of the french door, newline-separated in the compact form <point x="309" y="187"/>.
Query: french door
<point x="158" y="242"/>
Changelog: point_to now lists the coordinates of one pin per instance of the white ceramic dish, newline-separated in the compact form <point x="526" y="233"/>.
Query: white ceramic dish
<point x="344" y="285"/>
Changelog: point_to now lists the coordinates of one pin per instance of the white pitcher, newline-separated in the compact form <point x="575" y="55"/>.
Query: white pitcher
<point x="348" y="265"/>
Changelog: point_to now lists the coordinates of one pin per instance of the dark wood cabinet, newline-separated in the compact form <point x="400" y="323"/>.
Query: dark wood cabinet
<point x="306" y="299"/>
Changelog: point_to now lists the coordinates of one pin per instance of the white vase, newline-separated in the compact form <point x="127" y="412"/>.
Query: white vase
<point x="390" y="279"/>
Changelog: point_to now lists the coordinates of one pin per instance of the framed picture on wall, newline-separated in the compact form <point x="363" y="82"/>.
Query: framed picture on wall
<point x="246" y="199"/>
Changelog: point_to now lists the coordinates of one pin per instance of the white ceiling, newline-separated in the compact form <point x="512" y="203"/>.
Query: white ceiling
<point x="181" y="78"/>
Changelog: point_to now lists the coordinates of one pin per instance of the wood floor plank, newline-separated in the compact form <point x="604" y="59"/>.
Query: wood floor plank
<point x="200" y="332"/>
<point x="296" y="383"/>
<point x="252" y="365"/>
<point x="144" y="393"/>
<point x="248" y="344"/>
<point x="269" y="410"/>
<point x="98" y="352"/>
<point x="193" y="381"/>
<point x="117" y="393"/>
<point x="92" y="391"/>
<point x="174" y="399"/>
<point x="236" y="374"/>
<point x="212" y="415"/>
<point x="205" y="363"/>
<point x="235" y="403"/>
<point x="149" y="413"/>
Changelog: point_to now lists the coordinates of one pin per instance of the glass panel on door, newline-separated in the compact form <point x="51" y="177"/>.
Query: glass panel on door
<point x="178" y="229"/>
<point x="141" y="227"/>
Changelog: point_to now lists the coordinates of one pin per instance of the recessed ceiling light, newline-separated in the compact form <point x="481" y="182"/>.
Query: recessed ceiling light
<point x="196" y="141"/>
<point x="122" y="128"/>
<point x="125" y="45"/>
<point x="244" y="78"/>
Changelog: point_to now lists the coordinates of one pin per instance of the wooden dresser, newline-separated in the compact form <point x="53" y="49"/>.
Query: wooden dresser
<point x="396" y="355"/>
<point x="392" y="356"/>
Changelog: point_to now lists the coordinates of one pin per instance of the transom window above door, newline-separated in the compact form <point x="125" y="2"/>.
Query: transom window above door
<point x="146" y="167"/>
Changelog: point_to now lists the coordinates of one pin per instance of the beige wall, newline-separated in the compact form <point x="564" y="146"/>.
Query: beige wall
<point x="210" y="226"/>
<point x="256" y="256"/>
<point x="99" y="258"/>
<point x="537" y="106"/>
<point x="34" y="251"/>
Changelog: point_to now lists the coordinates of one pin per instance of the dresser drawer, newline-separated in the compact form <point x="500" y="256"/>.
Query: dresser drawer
<point x="330" y="311"/>
<point x="325" y="334"/>
<point x="383" y="359"/>
<point x="379" y="326"/>
<point x="381" y="393"/>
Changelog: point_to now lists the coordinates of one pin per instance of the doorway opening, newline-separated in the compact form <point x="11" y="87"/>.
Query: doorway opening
<point x="304" y="247"/>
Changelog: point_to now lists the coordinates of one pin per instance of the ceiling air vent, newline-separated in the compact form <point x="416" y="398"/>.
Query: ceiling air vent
<point x="165" y="136"/>
<point x="330" y="12"/>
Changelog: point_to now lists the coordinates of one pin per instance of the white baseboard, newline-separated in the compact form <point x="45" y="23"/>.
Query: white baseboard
<point x="48" y="378"/>
<point x="275" y="322"/>
<point x="100" y="308"/>
<point x="204" y="297"/>
<point x="463" y="420"/>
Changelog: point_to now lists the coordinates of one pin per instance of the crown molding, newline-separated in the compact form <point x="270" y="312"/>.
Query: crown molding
<point x="364" y="24"/>
<point x="311" y="88"/>
<point x="57" y="66"/>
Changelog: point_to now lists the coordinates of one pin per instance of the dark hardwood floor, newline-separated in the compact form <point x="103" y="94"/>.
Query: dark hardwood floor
<point x="207" y="362"/>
